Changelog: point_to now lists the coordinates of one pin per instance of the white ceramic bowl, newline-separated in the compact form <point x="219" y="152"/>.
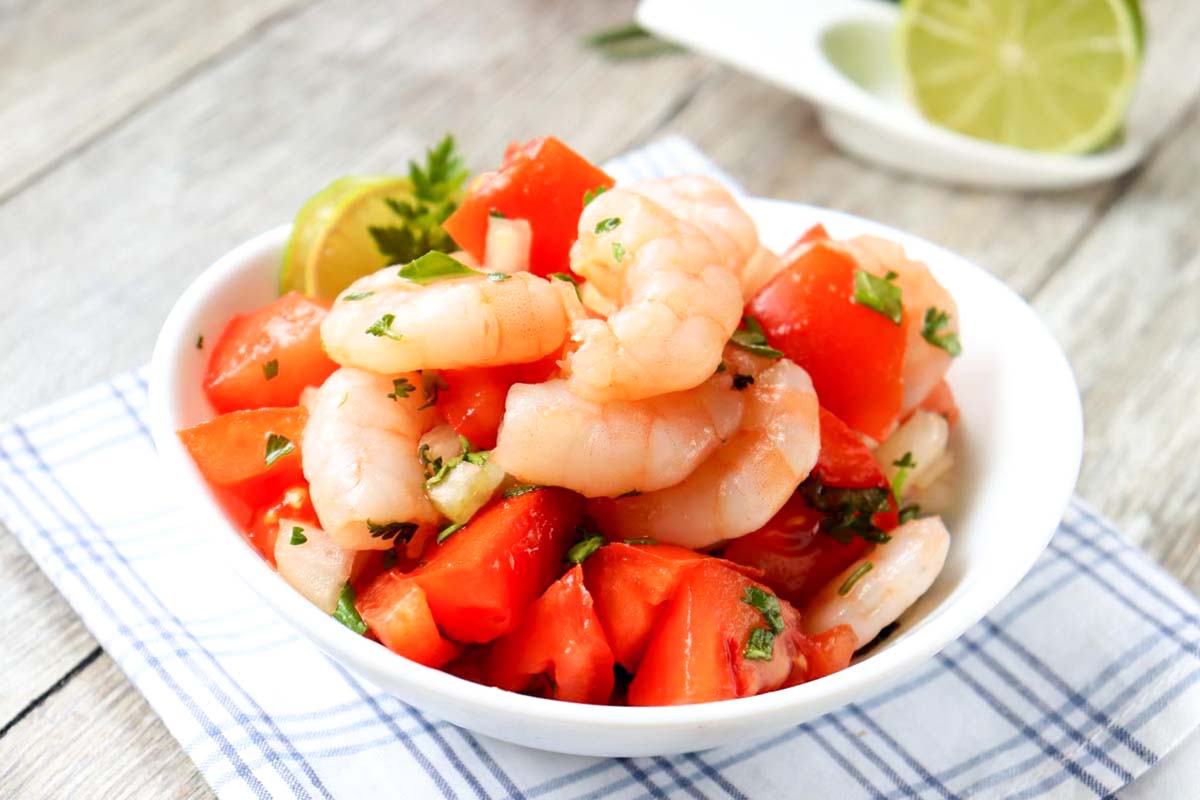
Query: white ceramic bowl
<point x="1018" y="447"/>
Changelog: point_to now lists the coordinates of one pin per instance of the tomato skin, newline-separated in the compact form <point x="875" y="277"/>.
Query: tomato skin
<point x="827" y="652"/>
<point x="629" y="584"/>
<point x="230" y="451"/>
<point x="474" y="399"/>
<point x="286" y="331"/>
<point x="559" y="638"/>
<point x="482" y="579"/>
<point x="695" y="654"/>
<point x="542" y="181"/>
<point x="396" y="611"/>
<point x="854" y="355"/>
<point x="292" y="503"/>
<point x="795" y="557"/>
<point x="844" y="459"/>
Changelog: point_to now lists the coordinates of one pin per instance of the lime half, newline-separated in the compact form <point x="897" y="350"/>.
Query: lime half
<point x="1050" y="76"/>
<point x="331" y="244"/>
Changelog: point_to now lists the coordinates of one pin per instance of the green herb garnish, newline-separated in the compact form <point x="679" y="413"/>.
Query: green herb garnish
<point x="618" y="251"/>
<point x="854" y="577"/>
<point x="520" y="489"/>
<point x="848" y="512"/>
<point x="448" y="531"/>
<point x="592" y="194"/>
<point x="401" y="388"/>
<point x="277" y="447"/>
<point x="497" y="277"/>
<point x="496" y="213"/>
<point x="607" y="224"/>
<point x="905" y="464"/>
<point x="383" y="327"/>
<point x="350" y="298"/>
<point x="641" y="540"/>
<point x="437" y="188"/>
<point x="760" y="646"/>
<point x="298" y="536"/>
<point x="431" y="384"/>
<point x="434" y="266"/>
<point x="562" y="276"/>
<point x="909" y="512"/>
<point x="751" y="337"/>
<point x="270" y="369"/>
<point x="200" y="342"/>
<point x="878" y="294"/>
<point x="584" y="548"/>
<point x="400" y="531"/>
<point x="935" y="320"/>
<point x="346" y="613"/>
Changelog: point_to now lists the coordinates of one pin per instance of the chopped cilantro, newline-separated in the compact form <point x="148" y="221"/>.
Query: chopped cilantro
<point x="383" y="327"/>
<point x="346" y="613"/>
<point x="592" y="194"/>
<point x="878" y="294"/>
<point x="618" y="251"/>
<point x="905" y="464"/>
<point x="766" y="604"/>
<point x="200" y="342"/>
<point x="350" y="298"/>
<point x="760" y="646"/>
<point x="270" y="369"/>
<point x="448" y="531"/>
<point x="935" y="320"/>
<point x="520" y="489"/>
<point x="401" y="388"/>
<point x="277" y="447"/>
<point x="854" y="577"/>
<point x="848" y="512"/>
<point x="584" y="548"/>
<point x="298" y="536"/>
<point x="751" y="337"/>
<point x="400" y="531"/>
<point x="434" y="266"/>
<point x="608" y="224"/>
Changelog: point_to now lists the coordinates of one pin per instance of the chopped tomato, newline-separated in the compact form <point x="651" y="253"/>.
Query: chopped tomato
<point x="795" y="557"/>
<point x="696" y="653"/>
<point x="940" y="400"/>
<point x="844" y="459"/>
<point x="543" y="182"/>
<point x="854" y="355"/>
<point x="826" y="653"/>
<point x="292" y="503"/>
<point x="630" y="584"/>
<point x="396" y="611"/>
<point x="473" y="400"/>
<point x="480" y="581"/>
<point x="265" y="358"/>
<point x="232" y="451"/>
<point x="558" y="650"/>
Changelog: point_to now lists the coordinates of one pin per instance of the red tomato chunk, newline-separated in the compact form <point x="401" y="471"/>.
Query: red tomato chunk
<point x="267" y="357"/>
<point x="232" y="451"/>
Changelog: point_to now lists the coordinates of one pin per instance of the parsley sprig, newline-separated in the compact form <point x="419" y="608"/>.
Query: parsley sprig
<point x="437" y="190"/>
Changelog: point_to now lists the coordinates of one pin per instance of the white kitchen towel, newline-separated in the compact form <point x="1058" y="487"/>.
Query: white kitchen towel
<point x="1077" y="684"/>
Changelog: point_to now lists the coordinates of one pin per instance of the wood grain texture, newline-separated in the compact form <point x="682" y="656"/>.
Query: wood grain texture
<point x="142" y="140"/>
<point x="71" y="69"/>
<point x="96" y="738"/>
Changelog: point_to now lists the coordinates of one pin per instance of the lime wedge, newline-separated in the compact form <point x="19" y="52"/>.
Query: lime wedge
<point x="1050" y="76"/>
<point x="331" y="244"/>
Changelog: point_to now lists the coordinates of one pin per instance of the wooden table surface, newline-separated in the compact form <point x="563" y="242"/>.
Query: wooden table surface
<point x="140" y="139"/>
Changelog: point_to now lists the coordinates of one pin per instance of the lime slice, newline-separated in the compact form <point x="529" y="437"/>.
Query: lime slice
<point x="1050" y="76"/>
<point x="331" y="244"/>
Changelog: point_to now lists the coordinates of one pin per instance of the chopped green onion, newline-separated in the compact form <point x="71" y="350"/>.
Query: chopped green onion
<point x="562" y="276"/>
<point x="401" y="531"/>
<point x="401" y="388"/>
<point x="766" y="604"/>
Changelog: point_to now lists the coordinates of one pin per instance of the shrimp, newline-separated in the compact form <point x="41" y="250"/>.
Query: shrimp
<point x="924" y="364"/>
<point x="706" y="204"/>
<point x="387" y="324"/>
<point x="552" y="436"/>
<point x="676" y="301"/>
<point x="360" y="457"/>
<point x="889" y="580"/>
<point x="745" y="481"/>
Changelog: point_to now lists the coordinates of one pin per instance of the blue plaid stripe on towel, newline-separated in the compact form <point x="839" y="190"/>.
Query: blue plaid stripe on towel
<point x="1077" y="684"/>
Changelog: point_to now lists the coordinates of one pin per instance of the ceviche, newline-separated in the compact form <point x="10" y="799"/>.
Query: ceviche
<point x="586" y="441"/>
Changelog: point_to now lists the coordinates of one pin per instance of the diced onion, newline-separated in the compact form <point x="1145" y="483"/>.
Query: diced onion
<point x="317" y="569"/>
<point x="465" y="489"/>
<point x="507" y="246"/>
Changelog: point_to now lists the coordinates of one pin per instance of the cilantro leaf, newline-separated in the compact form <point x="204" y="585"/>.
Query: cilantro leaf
<point x="580" y="551"/>
<point x="607" y="224"/>
<point x="401" y="388"/>
<point x="766" y="604"/>
<point x="431" y="384"/>
<point x="562" y="276"/>
<point x="592" y="194"/>
<point x="401" y="531"/>
<point x="270" y="369"/>
<point x="298" y="536"/>
<point x="878" y="294"/>
<point x="935" y="320"/>
<point x="905" y="463"/>
<point x="434" y="266"/>
<point x="848" y="512"/>
<point x="760" y="646"/>
<point x="751" y="337"/>
<point x="350" y="298"/>
<point x="854" y="577"/>
<point x="277" y="447"/>
<point x="383" y="327"/>
<point x="448" y="531"/>
<point x="346" y="613"/>
<point x="437" y="189"/>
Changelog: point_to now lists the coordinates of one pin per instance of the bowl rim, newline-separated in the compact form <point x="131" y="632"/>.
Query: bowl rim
<point x="943" y="625"/>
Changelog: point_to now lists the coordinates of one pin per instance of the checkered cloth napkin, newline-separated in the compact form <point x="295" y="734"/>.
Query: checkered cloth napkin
<point x="1077" y="684"/>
